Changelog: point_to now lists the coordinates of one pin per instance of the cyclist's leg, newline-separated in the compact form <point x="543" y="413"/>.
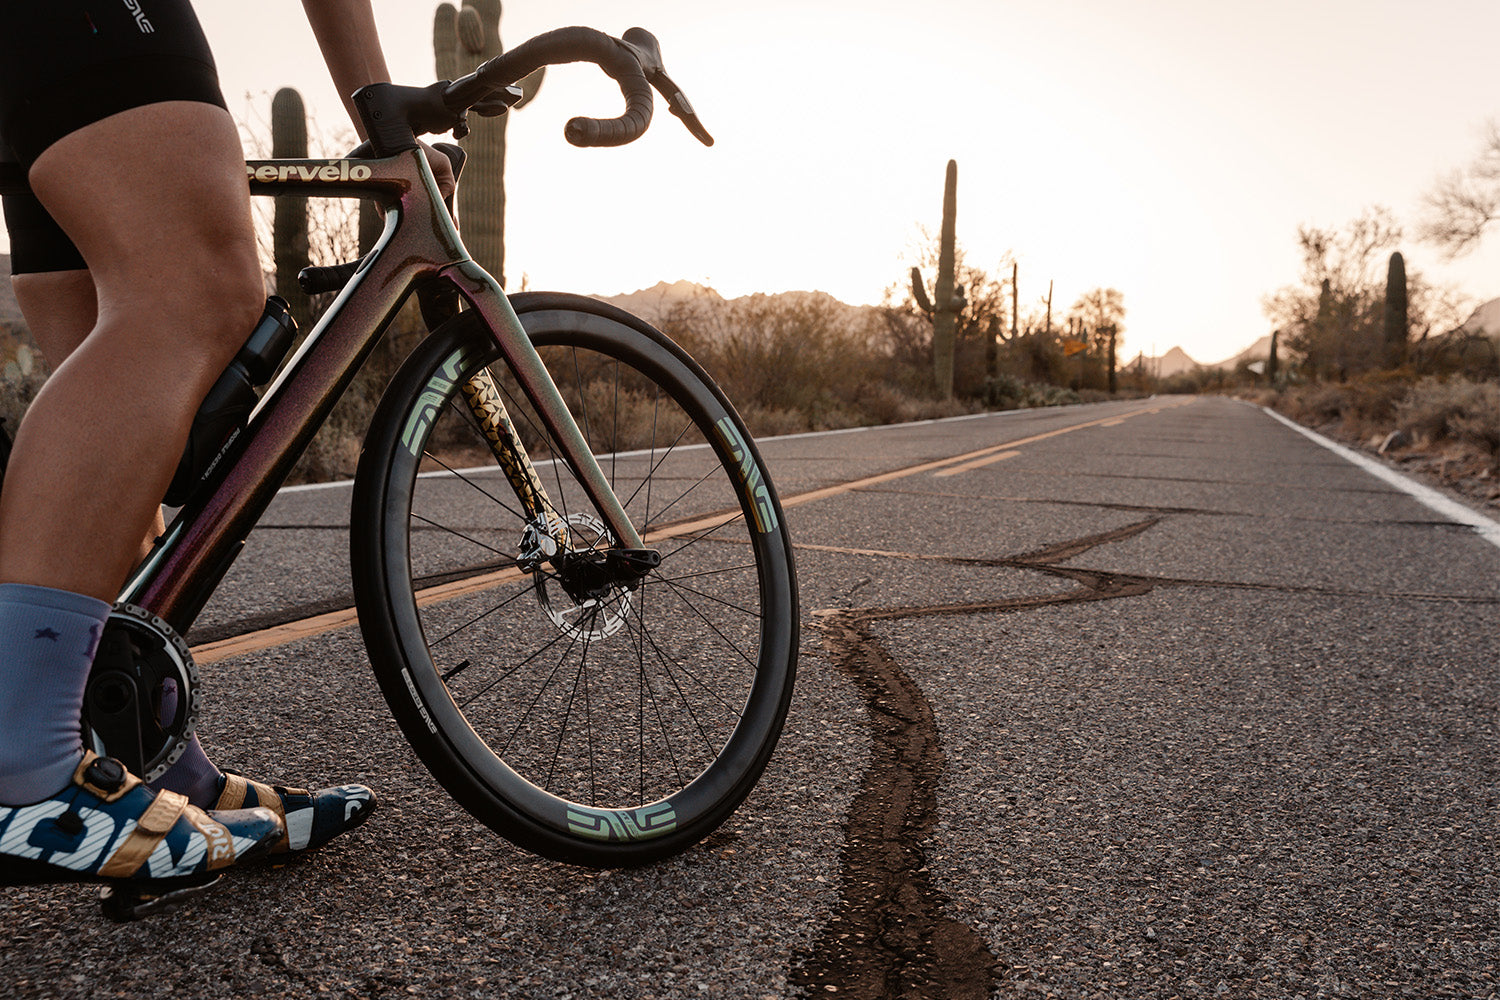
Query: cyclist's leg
<point x="128" y="293"/>
<point x="96" y="449"/>
<point x="61" y="307"/>
<point x="155" y="200"/>
<point x="49" y="628"/>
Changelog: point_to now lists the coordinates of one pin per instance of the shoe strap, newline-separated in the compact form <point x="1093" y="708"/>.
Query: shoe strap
<point x="233" y="795"/>
<point x="153" y="825"/>
<point x="237" y="790"/>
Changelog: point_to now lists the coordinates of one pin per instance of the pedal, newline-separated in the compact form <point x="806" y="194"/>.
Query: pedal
<point x="123" y="902"/>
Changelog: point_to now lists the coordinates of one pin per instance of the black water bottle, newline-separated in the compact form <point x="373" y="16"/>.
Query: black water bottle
<point x="226" y="408"/>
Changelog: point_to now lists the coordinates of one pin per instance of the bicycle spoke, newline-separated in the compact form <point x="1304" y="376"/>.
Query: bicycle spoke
<point x="699" y="536"/>
<point x="510" y="673"/>
<point x="572" y="695"/>
<point x="655" y="465"/>
<point x="667" y="663"/>
<point x="459" y="534"/>
<point x="713" y="627"/>
<point x="555" y="690"/>
<point x="456" y="474"/>
<point x="675" y="584"/>
<point x="703" y="574"/>
<point x="484" y="614"/>
<point x="729" y="708"/>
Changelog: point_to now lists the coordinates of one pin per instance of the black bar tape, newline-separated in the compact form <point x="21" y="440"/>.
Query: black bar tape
<point x="568" y="45"/>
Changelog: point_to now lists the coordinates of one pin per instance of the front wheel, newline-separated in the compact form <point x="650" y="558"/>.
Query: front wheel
<point x="610" y="724"/>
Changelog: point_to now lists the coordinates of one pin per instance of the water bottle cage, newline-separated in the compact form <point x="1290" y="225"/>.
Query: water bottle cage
<point x="226" y="409"/>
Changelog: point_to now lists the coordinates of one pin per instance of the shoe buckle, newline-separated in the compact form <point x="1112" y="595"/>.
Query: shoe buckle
<point x="104" y="777"/>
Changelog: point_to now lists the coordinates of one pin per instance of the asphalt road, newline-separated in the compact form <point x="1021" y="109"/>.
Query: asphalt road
<point x="1142" y="699"/>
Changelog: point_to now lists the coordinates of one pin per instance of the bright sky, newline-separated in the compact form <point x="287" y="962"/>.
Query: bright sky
<point x="1167" y="148"/>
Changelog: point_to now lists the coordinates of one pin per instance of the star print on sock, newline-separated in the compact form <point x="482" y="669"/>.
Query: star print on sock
<point x="47" y="633"/>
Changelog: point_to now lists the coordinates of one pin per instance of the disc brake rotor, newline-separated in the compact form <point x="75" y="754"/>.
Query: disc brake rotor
<point x="588" y="618"/>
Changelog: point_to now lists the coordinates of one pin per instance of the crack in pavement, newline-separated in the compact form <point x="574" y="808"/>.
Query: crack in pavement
<point x="889" y="935"/>
<point x="1098" y="584"/>
<point x="1437" y="523"/>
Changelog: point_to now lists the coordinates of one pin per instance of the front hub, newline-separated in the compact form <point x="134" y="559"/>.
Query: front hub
<point x="587" y="588"/>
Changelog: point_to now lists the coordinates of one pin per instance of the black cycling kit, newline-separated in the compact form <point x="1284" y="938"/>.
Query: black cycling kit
<point x="65" y="64"/>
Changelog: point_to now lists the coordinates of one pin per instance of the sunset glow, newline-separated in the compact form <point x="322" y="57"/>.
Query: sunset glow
<point x="1162" y="147"/>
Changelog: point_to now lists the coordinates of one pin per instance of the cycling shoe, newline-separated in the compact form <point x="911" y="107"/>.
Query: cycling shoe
<point x="106" y="826"/>
<point x="312" y="818"/>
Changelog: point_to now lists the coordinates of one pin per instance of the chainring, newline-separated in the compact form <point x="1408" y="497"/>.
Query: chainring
<point x="143" y="687"/>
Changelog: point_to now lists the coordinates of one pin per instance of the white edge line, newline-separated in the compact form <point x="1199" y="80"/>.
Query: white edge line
<point x="1486" y="528"/>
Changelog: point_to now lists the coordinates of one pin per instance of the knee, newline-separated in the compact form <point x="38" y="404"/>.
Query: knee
<point x="229" y="304"/>
<point x="207" y="312"/>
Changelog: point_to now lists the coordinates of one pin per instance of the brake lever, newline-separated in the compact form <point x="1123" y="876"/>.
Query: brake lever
<point x="647" y="51"/>
<point x="499" y="102"/>
<point x="677" y="103"/>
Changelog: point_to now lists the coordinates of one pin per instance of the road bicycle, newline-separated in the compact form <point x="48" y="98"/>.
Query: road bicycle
<point x="572" y="573"/>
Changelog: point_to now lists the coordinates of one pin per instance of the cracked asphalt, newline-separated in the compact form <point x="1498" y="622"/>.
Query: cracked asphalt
<point x="1172" y="702"/>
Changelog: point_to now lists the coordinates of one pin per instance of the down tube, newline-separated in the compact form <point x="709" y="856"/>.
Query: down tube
<point x="201" y="543"/>
<point x="485" y="296"/>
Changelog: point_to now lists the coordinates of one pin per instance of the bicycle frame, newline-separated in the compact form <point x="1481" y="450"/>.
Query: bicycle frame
<point x="419" y="244"/>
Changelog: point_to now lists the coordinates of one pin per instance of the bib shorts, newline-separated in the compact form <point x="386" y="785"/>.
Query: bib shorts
<point x="65" y="64"/>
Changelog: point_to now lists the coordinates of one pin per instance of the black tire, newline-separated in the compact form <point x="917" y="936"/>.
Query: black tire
<point x="611" y="732"/>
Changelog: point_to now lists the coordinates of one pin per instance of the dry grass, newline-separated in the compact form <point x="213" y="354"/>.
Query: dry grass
<point x="1447" y="428"/>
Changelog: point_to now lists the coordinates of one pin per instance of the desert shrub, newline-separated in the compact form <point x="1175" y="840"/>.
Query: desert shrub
<point x="1316" y="403"/>
<point x="807" y="353"/>
<point x="1184" y="383"/>
<point x="22" y="372"/>
<point x="1053" y="395"/>
<point x="886" y="403"/>
<point x="1481" y="429"/>
<point x="1457" y="409"/>
<point x="1086" y="395"/>
<point x="770" y="423"/>
<point x="1372" y="399"/>
<point x="1006" y="392"/>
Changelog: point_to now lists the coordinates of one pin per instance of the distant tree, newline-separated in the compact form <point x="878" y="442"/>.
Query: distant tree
<point x="1098" y="312"/>
<point x="1461" y="205"/>
<point x="1098" y="318"/>
<point x="1334" y="318"/>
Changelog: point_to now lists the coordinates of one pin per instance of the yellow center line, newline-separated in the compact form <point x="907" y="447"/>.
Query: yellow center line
<point x="955" y="470"/>
<point x="306" y="628"/>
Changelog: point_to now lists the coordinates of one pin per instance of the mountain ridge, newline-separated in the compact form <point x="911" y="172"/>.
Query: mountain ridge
<point x="654" y="304"/>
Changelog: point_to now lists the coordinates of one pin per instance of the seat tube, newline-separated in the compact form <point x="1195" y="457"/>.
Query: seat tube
<point x="480" y="290"/>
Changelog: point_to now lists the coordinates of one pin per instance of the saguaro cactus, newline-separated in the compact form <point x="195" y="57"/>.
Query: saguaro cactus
<point x="1396" y="321"/>
<point x="289" y="244"/>
<point x="1114" y="331"/>
<point x="461" y="40"/>
<point x="947" y="302"/>
<point x="1015" y="299"/>
<point x="1272" y="362"/>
